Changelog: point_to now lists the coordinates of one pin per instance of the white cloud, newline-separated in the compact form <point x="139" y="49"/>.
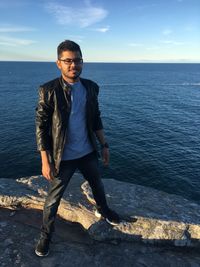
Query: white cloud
<point x="171" y="42"/>
<point x="104" y="29"/>
<point x="15" y="29"/>
<point x="82" y="16"/>
<point x="9" y="41"/>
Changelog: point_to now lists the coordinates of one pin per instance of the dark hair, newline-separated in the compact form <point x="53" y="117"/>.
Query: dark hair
<point x="68" y="45"/>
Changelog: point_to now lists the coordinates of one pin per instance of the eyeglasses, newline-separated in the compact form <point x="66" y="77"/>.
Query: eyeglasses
<point x="69" y="61"/>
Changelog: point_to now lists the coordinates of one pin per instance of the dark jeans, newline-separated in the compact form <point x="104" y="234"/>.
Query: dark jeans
<point x="88" y="166"/>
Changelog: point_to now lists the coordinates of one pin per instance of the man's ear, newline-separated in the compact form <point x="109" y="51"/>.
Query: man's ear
<point x="58" y="63"/>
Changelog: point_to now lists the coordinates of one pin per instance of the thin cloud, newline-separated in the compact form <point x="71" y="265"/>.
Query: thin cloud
<point x="6" y="29"/>
<point x="104" y="29"/>
<point x="145" y="6"/>
<point x="172" y="42"/>
<point x="80" y="16"/>
<point x="9" y="41"/>
<point x="167" y="32"/>
<point x="135" y="44"/>
<point x="13" y="4"/>
<point x="153" y="48"/>
<point x="189" y="28"/>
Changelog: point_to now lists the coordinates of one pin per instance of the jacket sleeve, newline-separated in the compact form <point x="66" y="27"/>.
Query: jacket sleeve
<point x="97" y="125"/>
<point x="43" y="120"/>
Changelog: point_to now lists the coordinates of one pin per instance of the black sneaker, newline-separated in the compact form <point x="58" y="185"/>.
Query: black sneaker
<point x="42" y="247"/>
<point x="110" y="216"/>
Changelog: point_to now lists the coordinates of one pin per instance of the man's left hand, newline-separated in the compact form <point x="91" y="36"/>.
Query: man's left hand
<point x="105" y="156"/>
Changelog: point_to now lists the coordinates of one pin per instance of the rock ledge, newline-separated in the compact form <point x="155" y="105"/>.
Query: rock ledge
<point x="149" y="216"/>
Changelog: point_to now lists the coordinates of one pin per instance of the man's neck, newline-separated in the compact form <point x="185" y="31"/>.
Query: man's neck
<point x="71" y="81"/>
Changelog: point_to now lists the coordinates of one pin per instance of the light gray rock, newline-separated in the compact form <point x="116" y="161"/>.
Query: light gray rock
<point x="14" y="194"/>
<point x="161" y="218"/>
<point x="74" y="206"/>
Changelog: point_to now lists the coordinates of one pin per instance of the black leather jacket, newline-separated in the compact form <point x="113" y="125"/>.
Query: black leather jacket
<point x="52" y="114"/>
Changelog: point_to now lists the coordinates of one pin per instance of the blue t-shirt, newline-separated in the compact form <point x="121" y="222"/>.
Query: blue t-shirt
<point x="77" y="142"/>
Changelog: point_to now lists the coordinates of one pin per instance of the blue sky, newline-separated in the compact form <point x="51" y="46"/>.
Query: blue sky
<point x="107" y="31"/>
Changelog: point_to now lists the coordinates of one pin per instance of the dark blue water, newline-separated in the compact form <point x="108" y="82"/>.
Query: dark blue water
<point x="151" y="115"/>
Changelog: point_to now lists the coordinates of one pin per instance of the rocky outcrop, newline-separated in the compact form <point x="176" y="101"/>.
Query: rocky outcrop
<point x="148" y="215"/>
<point x="72" y="247"/>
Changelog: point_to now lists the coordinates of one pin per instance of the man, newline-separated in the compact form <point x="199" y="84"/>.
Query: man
<point x="67" y="124"/>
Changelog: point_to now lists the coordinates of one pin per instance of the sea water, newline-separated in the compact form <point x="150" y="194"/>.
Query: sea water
<point x="150" y="112"/>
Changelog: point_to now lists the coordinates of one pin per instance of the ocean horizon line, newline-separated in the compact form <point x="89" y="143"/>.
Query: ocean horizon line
<point x="105" y="62"/>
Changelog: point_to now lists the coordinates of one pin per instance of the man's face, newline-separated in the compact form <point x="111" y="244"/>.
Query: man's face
<point x="70" y="64"/>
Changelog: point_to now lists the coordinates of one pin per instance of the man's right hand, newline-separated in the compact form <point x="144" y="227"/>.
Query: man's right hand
<point x="48" y="170"/>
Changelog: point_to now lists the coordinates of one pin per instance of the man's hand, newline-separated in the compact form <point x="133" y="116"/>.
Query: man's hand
<point x="48" y="170"/>
<point x="104" y="149"/>
<point x="105" y="156"/>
